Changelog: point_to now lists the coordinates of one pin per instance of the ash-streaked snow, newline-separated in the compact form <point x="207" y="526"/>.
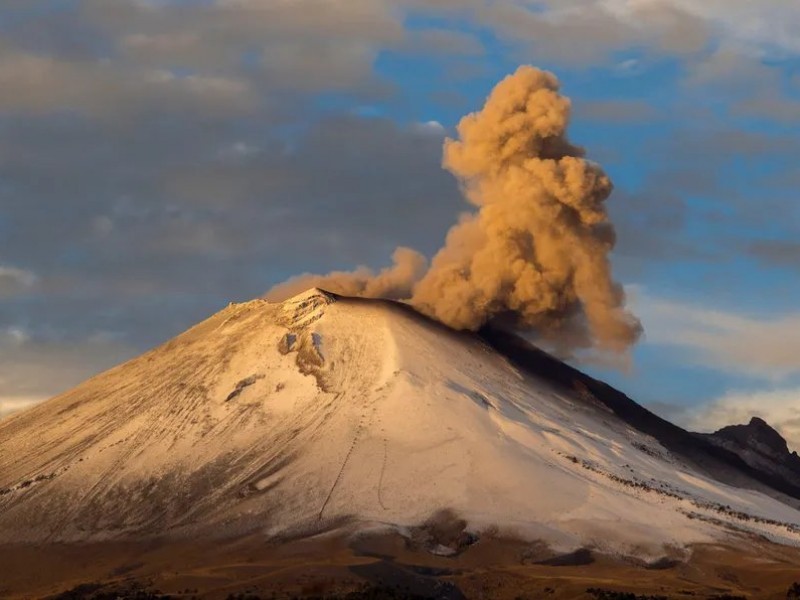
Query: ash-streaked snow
<point x="320" y="410"/>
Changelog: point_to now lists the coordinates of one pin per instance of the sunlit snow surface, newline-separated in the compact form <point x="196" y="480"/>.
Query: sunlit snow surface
<point x="293" y="417"/>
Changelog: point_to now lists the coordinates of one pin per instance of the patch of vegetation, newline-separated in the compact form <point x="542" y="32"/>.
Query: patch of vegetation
<point x="601" y="594"/>
<point x="647" y="450"/>
<point x="581" y="557"/>
<point x="793" y="593"/>
<point x="27" y="483"/>
<point x="667" y="490"/>
<point x="84" y="590"/>
<point x="368" y="592"/>
<point x="97" y="591"/>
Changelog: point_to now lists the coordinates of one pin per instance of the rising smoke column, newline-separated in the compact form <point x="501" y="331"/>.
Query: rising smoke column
<point x="537" y="248"/>
<point x="395" y="282"/>
<point x="535" y="252"/>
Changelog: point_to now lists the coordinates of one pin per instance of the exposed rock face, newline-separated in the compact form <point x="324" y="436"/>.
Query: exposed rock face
<point x="757" y="435"/>
<point x="761" y="447"/>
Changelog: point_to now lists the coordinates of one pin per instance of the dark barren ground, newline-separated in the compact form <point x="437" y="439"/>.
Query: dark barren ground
<point x="385" y="566"/>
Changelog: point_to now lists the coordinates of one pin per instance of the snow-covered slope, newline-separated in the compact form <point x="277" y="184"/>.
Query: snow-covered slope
<point x="297" y="416"/>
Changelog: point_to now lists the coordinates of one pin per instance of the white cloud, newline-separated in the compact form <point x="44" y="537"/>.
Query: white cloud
<point x="12" y="404"/>
<point x="264" y="46"/>
<point x="102" y="226"/>
<point x="764" y="348"/>
<point x="766" y="26"/>
<point x="17" y="335"/>
<point x="429" y="128"/>
<point x="771" y="104"/>
<point x="616" y="111"/>
<point x="780" y="408"/>
<point x="630" y="66"/>
<point x="300" y="45"/>
<point x="238" y="151"/>
<point x="14" y="280"/>
<point x="34" y="369"/>
<point x="590" y="31"/>
<point x="35" y="84"/>
<point x="442" y="42"/>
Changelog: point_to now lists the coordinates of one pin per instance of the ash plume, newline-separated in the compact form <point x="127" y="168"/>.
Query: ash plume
<point x="395" y="282"/>
<point x="535" y="252"/>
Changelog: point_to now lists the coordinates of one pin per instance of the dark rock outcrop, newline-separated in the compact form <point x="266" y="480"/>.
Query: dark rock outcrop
<point x="761" y="447"/>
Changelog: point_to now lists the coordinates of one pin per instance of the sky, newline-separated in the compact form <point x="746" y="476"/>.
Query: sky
<point x="162" y="158"/>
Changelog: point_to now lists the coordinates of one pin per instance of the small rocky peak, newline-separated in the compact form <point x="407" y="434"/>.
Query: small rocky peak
<point x="757" y="434"/>
<point x="313" y="294"/>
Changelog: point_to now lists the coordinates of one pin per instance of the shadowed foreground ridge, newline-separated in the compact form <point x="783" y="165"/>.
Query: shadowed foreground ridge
<point x="386" y="567"/>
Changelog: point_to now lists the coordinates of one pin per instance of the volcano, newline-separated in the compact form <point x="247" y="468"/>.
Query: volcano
<point x="323" y="413"/>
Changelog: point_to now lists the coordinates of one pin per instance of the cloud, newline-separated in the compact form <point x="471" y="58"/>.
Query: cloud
<point x="590" y="32"/>
<point x="34" y="367"/>
<point x="219" y="57"/>
<point x="228" y="55"/>
<point x="731" y="69"/>
<point x="616" y="111"/>
<point x="771" y="104"/>
<point x="650" y="224"/>
<point x="265" y="47"/>
<point x="15" y="335"/>
<point x="718" y="143"/>
<point x="761" y="348"/>
<point x="12" y="404"/>
<point x="780" y="408"/>
<point x="160" y="225"/>
<point x="14" y="280"/>
<point x="302" y="46"/>
<point x="776" y="253"/>
<point x="575" y="35"/>
<point x="769" y="26"/>
<point x="155" y="156"/>
<point x="752" y="86"/>
<point x="704" y="193"/>
<point x="442" y="42"/>
<point x="37" y="84"/>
